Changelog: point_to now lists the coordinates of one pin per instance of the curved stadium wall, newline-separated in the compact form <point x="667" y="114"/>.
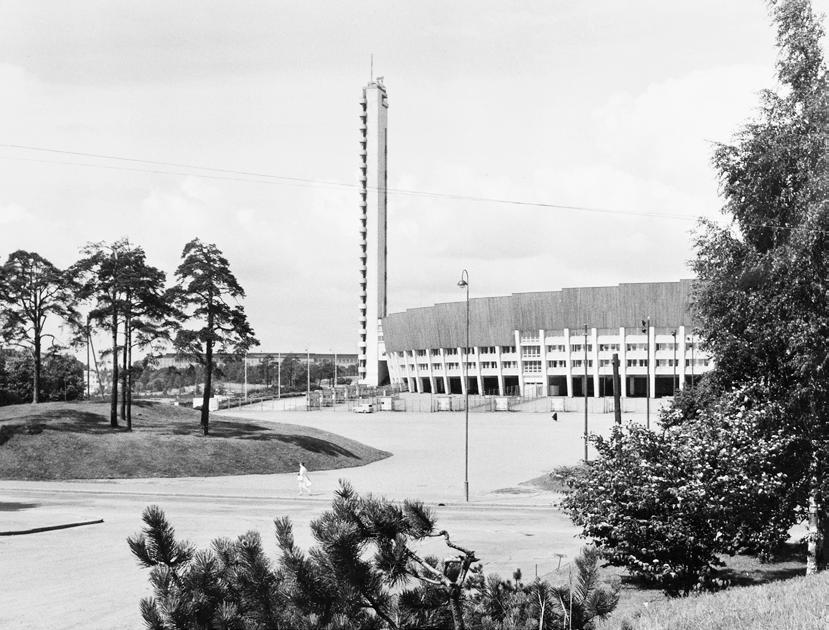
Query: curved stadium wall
<point x="534" y="344"/>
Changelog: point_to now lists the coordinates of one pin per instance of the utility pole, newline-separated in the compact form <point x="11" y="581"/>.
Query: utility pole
<point x="646" y="328"/>
<point x="585" y="393"/>
<point x="279" y="375"/>
<point x="617" y="390"/>
<point x="308" y="371"/>
<point x="88" y="367"/>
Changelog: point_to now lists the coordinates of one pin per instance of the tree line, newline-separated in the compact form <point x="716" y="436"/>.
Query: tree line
<point x="113" y="289"/>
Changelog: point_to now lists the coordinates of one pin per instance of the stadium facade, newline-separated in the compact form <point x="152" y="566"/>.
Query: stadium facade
<point x="534" y="344"/>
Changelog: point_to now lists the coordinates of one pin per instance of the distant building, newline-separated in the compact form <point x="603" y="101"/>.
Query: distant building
<point x="535" y="344"/>
<point x="374" y="105"/>
<point x="174" y="360"/>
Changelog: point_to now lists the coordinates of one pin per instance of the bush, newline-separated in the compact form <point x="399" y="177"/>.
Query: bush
<point x="665" y="504"/>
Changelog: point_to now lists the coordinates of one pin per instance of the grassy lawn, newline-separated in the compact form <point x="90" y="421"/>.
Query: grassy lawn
<point x="75" y="441"/>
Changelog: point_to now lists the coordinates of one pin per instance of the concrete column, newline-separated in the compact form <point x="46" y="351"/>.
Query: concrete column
<point x="478" y="371"/>
<point x="623" y="363"/>
<point x="500" y="370"/>
<point x="445" y="371"/>
<point x="417" y="374"/>
<point x="517" y="337"/>
<point x="652" y="359"/>
<point x="595" y="356"/>
<point x="543" y="340"/>
<point x="463" y="370"/>
<point x="569" y="363"/>
<point x="680" y="353"/>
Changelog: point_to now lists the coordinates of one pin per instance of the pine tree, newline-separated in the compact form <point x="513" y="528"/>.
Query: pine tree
<point x="207" y="293"/>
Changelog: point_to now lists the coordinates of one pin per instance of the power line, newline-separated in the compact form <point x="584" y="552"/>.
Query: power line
<point x="269" y="178"/>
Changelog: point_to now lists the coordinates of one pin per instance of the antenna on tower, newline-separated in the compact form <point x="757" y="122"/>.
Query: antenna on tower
<point x="371" y="72"/>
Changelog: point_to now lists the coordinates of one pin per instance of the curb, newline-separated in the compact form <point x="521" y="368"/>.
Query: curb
<point x="50" y="528"/>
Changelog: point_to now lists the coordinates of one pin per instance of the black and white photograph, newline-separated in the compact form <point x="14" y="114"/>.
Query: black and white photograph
<point x="487" y="315"/>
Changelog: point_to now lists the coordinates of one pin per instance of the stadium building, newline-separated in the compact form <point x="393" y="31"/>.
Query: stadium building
<point x="529" y="344"/>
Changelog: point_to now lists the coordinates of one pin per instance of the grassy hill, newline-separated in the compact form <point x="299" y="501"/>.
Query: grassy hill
<point x="75" y="441"/>
<point x="798" y="603"/>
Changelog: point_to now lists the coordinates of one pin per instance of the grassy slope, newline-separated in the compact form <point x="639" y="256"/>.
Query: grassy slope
<point x="75" y="441"/>
<point x="797" y="604"/>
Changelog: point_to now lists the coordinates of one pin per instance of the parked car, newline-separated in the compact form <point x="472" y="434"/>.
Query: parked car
<point x="364" y="408"/>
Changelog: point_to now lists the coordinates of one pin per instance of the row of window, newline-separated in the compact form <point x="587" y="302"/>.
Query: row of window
<point x="534" y="367"/>
<point x="535" y="351"/>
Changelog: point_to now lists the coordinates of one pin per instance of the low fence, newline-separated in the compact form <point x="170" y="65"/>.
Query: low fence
<point x="387" y="400"/>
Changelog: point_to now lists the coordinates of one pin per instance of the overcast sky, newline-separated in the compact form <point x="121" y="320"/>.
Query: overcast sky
<point x="601" y="104"/>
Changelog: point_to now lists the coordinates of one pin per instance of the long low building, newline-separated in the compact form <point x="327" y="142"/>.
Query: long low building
<point x="534" y="344"/>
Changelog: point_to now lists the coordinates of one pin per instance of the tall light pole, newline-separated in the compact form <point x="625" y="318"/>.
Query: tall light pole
<point x="692" y="358"/>
<point x="464" y="283"/>
<point x="308" y="380"/>
<point x="646" y="328"/>
<point x="675" y="384"/>
<point x="585" y="392"/>
<point x="279" y="375"/>
<point x="246" y="376"/>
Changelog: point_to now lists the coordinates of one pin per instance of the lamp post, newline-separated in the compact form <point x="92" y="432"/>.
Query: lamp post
<point x="646" y="328"/>
<point x="308" y="381"/>
<point x="585" y="393"/>
<point x="279" y="375"/>
<point x="693" y="343"/>
<point x="674" y="382"/>
<point x="464" y="284"/>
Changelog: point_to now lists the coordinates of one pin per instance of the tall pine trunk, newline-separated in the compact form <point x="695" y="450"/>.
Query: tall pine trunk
<point x="208" y="386"/>
<point x="129" y="380"/>
<point x="113" y="406"/>
<point x="36" y="377"/>
<point x="124" y="370"/>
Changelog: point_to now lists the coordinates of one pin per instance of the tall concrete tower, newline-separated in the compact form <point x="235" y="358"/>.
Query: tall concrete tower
<point x="374" y="106"/>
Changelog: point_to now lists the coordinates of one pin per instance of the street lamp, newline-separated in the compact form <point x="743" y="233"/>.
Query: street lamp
<point x="646" y="328"/>
<point x="585" y="393"/>
<point x="308" y="370"/>
<point x="464" y="284"/>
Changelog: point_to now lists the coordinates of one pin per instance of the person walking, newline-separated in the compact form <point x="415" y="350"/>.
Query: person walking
<point x="303" y="480"/>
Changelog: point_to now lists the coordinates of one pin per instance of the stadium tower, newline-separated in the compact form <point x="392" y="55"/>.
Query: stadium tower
<point x="371" y="353"/>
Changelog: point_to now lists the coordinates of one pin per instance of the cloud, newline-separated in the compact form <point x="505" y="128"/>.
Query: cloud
<point x="14" y="213"/>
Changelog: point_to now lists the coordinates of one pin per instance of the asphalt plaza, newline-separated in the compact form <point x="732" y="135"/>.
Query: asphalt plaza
<point x="86" y="577"/>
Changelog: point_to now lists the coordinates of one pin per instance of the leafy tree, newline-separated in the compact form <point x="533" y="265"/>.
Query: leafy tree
<point x="32" y="290"/>
<point x="762" y="295"/>
<point x="207" y="292"/>
<point x="665" y="504"/>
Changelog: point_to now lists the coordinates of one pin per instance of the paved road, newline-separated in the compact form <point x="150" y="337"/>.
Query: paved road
<point x="86" y="577"/>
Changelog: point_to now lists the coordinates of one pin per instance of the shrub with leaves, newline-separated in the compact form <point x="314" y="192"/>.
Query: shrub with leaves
<point x="665" y="504"/>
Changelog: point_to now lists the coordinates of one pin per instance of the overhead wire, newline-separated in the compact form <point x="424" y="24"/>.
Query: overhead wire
<point x="255" y="177"/>
<point x="269" y="178"/>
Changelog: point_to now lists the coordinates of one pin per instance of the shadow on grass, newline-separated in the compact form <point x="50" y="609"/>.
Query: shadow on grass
<point x="72" y="420"/>
<point x="13" y="506"/>
<point x="788" y="562"/>
<point x="251" y="431"/>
